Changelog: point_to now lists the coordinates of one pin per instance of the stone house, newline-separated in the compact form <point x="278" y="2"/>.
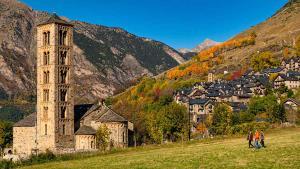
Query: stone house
<point x="290" y="80"/>
<point x="290" y="64"/>
<point x="291" y="107"/>
<point x="199" y="109"/>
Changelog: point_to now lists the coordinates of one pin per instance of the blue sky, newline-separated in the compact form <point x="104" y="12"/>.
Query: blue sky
<point x="178" y="23"/>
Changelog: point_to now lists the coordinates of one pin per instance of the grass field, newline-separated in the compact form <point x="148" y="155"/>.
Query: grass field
<point x="283" y="151"/>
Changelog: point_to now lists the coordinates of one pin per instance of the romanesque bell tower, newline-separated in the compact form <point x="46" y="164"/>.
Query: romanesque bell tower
<point x="55" y="103"/>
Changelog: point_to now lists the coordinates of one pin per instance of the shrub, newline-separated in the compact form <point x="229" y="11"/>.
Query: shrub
<point x="246" y="127"/>
<point x="102" y="137"/>
<point x="42" y="157"/>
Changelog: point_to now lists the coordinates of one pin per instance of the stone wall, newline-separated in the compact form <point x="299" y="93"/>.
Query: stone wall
<point x="118" y="132"/>
<point x="24" y="140"/>
<point x="85" y="142"/>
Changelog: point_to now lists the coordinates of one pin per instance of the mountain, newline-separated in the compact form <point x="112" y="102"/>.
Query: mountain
<point x="107" y="59"/>
<point x="204" y="45"/>
<point x="277" y="34"/>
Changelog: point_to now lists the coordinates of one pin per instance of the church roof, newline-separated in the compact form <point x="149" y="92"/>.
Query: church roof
<point x="28" y="121"/>
<point x="100" y="112"/>
<point x="110" y="116"/>
<point x="55" y="19"/>
<point x="85" y="130"/>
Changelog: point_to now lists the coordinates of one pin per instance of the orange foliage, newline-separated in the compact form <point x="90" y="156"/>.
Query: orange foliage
<point x="231" y="44"/>
<point x="206" y="58"/>
<point x="192" y="69"/>
<point x="237" y="74"/>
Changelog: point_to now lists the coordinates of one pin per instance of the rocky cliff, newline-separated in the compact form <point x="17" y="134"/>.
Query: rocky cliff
<point x="106" y="59"/>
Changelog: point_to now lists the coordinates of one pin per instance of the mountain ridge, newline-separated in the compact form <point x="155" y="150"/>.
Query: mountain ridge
<point x="107" y="59"/>
<point x="203" y="45"/>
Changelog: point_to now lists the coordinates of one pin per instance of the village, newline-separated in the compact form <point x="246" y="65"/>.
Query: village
<point x="201" y="98"/>
<point x="149" y="84"/>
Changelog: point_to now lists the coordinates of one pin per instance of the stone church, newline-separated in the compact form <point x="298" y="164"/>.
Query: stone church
<point x="58" y="125"/>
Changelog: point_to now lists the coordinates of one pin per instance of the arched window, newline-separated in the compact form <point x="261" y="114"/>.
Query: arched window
<point x="62" y="37"/>
<point x="63" y="112"/>
<point x="45" y="38"/>
<point x="63" y="76"/>
<point x="62" y="58"/>
<point x="65" y="38"/>
<point x="48" y="38"/>
<point x="63" y="95"/>
<point x="46" y="58"/>
<point x="46" y="95"/>
<point x="46" y="77"/>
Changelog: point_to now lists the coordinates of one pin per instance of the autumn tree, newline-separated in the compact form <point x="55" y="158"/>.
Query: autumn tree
<point x="262" y="60"/>
<point x="222" y="119"/>
<point x="102" y="137"/>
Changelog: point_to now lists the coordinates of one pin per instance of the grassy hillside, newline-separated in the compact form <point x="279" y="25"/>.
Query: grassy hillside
<point x="283" y="151"/>
<point x="278" y="36"/>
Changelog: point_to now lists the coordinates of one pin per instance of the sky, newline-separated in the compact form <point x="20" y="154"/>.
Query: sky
<point x="178" y="23"/>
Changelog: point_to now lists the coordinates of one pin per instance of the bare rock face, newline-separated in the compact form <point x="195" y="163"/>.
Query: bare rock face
<point x="106" y="59"/>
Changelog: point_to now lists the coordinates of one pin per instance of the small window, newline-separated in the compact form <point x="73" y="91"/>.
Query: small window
<point x="46" y="77"/>
<point x="46" y="129"/>
<point x="92" y="144"/>
<point x="46" y="58"/>
<point x="123" y="137"/>
<point x="46" y="38"/>
<point x="46" y="95"/>
<point x="64" y="129"/>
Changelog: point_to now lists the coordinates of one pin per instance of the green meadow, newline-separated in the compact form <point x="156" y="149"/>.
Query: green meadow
<point x="282" y="151"/>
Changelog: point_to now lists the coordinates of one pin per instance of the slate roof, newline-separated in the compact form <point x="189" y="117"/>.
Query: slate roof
<point x="28" y="121"/>
<point x="237" y="106"/>
<point x="55" y="19"/>
<point x="110" y="116"/>
<point x="293" y="100"/>
<point x="85" y="130"/>
<point x="198" y="101"/>
<point x="288" y="77"/>
<point x="102" y="113"/>
<point x="272" y="70"/>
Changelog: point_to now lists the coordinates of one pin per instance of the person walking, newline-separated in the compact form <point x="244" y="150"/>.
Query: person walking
<point x="262" y="139"/>
<point x="250" y="139"/>
<point x="256" y="137"/>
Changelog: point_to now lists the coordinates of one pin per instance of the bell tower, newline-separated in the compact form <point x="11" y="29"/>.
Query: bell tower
<point x="55" y="103"/>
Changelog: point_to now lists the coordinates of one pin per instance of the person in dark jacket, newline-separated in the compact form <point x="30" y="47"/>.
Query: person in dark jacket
<point x="262" y="139"/>
<point x="250" y="139"/>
